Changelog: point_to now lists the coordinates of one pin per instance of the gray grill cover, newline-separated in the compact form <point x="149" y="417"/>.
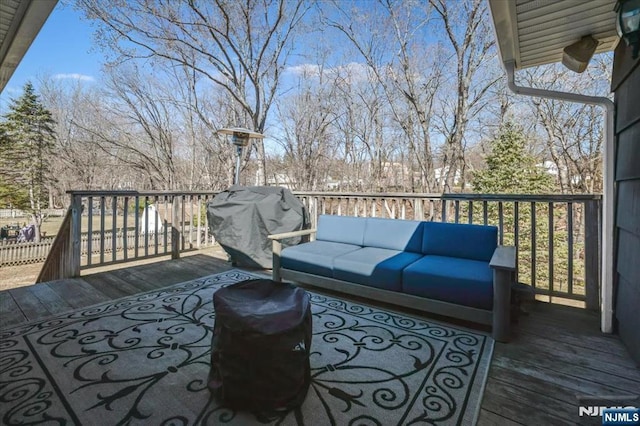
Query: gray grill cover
<point x="242" y="217"/>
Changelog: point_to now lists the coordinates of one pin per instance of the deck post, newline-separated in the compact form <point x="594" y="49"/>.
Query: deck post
<point x="175" y="230"/>
<point x="76" y="235"/>
<point x="503" y="264"/>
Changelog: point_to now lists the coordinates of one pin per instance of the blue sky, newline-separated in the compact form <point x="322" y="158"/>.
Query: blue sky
<point x="62" y="49"/>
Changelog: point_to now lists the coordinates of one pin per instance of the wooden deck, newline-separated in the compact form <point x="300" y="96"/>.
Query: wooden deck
<point x="557" y="352"/>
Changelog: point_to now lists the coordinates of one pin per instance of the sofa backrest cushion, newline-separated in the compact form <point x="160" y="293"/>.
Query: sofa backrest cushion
<point x="477" y="242"/>
<point x="393" y="234"/>
<point x="341" y="229"/>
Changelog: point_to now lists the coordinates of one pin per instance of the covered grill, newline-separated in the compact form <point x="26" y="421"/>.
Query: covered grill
<point x="241" y="218"/>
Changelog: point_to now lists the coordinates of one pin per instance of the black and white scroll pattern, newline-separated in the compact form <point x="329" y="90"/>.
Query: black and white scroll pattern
<point x="145" y="360"/>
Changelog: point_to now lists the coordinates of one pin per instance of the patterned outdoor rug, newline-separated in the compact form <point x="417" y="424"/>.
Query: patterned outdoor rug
<point x="145" y="360"/>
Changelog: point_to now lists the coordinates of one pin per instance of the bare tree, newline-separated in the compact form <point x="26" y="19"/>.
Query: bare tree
<point x="77" y="165"/>
<point x="241" y="47"/>
<point x="306" y="118"/>
<point x="407" y="71"/>
<point x="572" y="134"/>
<point x="468" y="32"/>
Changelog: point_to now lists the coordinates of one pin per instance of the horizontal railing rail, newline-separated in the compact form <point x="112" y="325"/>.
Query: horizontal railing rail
<point x="557" y="237"/>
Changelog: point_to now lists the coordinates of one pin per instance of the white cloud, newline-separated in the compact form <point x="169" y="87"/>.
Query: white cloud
<point x="304" y="69"/>
<point x="74" y="77"/>
<point x="352" y="72"/>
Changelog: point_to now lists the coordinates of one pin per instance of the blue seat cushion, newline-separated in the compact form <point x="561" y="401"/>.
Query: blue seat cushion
<point x="477" y="242"/>
<point x="393" y="234"/>
<point x="461" y="281"/>
<point x="341" y="229"/>
<point x="374" y="267"/>
<point x="315" y="257"/>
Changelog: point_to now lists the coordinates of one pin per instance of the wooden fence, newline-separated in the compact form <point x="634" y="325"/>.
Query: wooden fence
<point x="14" y="253"/>
<point x="14" y="213"/>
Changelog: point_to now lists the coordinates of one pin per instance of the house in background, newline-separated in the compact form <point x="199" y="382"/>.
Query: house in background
<point x="532" y="33"/>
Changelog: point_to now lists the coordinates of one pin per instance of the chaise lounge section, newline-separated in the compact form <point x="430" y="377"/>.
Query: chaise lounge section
<point x="448" y="269"/>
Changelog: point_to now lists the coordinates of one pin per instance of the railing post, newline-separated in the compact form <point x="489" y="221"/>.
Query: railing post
<point x="175" y="230"/>
<point x="76" y="235"/>
<point x="592" y="253"/>
<point x="418" y="212"/>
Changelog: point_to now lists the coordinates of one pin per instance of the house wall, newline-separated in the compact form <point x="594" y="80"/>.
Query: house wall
<point x="625" y="83"/>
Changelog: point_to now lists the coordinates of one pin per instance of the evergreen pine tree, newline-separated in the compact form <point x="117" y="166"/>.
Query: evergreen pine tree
<point x="26" y="143"/>
<point x="510" y="168"/>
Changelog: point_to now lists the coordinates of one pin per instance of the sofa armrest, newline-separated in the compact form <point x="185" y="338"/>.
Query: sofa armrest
<point x="504" y="258"/>
<point x="277" y="248"/>
<point x="285" y="235"/>
<point x="503" y="263"/>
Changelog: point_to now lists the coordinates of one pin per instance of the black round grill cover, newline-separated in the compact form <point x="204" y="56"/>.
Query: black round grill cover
<point x="261" y="345"/>
<point x="242" y="217"/>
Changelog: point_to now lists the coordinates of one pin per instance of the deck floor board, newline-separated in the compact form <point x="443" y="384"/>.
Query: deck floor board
<point x="557" y="353"/>
<point x="10" y="312"/>
<point x="50" y="299"/>
<point x="78" y="293"/>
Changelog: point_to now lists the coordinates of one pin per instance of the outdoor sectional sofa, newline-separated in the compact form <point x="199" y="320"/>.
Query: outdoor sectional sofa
<point x="455" y="270"/>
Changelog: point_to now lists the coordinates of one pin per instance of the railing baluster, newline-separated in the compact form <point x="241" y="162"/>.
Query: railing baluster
<point x="114" y="227"/>
<point x="136" y="226"/>
<point x="199" y="208"/>
<point x="146" y="226"/>
<point x="89" y="229"/>
<point x="76" y="234"/>
<point x="516" y="232"/>
<point x="551" y="239"/>
<point x="485" y="213"/>
<point x="444" y="211"/>
<point x="533" y="244"/>
<point x="157" y="229"/>
<point x="570" y="247"/>
<point x="175" y="231"/>
<point x="456" y="204"/>
<point x="102" y="225"/>
<point x="470" y="212"/>
<point x="125" y="248"/>
<point x="206" y="221"/>
<point x="165" y="224"/>
<point x="500" y="223"/>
